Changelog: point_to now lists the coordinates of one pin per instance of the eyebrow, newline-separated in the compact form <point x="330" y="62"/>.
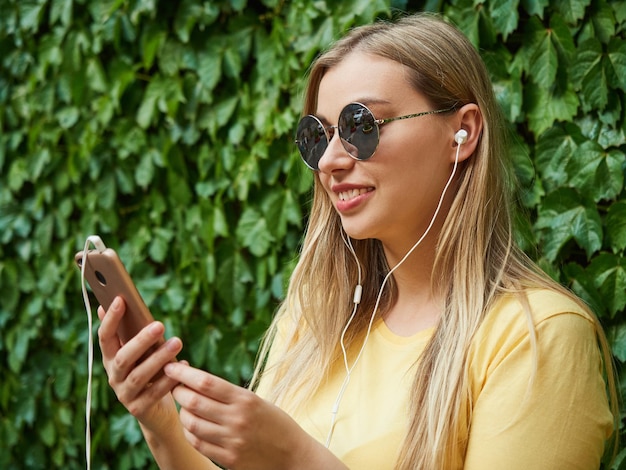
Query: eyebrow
<point x="367" y="101"/>
<point x="373" y="101"/>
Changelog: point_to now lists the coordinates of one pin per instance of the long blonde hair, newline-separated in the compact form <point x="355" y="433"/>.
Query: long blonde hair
<point x="476" y="258"/>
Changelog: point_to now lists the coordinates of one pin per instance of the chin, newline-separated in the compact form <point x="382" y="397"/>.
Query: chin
<point x="358" y="233"/>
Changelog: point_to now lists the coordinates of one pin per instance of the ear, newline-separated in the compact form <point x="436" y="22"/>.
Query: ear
<point x="470" y="119"/>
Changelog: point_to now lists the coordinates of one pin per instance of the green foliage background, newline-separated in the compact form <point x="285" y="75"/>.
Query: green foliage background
<point x="166" y="128"/>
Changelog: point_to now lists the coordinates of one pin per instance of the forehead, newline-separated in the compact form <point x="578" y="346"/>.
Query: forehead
<point x="365" y="78"/>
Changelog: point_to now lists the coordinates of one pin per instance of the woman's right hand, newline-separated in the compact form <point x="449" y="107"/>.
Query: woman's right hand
<point x="145" y="396"/>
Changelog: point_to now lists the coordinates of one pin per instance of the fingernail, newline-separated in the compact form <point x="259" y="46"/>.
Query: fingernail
<point x="156" y="328"/>
<point x="115" y="305"/>
<point x="169" y="368"/>
<point x="173" y="344"/>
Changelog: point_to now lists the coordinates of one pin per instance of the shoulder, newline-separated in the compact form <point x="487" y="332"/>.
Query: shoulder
<point x="541" y="320"/>
<point x="535" y="377"/>
<point x="543" y="304"/>
<point x="515" y="313"/>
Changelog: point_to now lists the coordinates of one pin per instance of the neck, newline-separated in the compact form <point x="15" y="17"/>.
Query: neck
<point x="415" y="308"/>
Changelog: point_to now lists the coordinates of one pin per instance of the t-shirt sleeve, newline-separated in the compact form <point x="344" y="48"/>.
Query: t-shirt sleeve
<point x="558" y="418"/>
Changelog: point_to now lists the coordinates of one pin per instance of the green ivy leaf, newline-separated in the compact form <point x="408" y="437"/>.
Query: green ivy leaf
<point x="146" y="110"/>
<point x="63" y="376"/>
<point x="531" y="191"/>
<point x="534" y="35"/>
<point x="232" y="63"/>
<point x="30" y="13"/>
<point x="47" y="432"/>
<point x="596" y="172"/>
<point x="609" y="272"/>
<point x="187" y="14"/>
<point x="615" y="64"/>
<point x="564" y="216"/>
<point x="588" y="74"/>
<point x="233" y="276"/>
<point x="67" y="117"/>
<point x="101" y="10"/>
<point x="583" y="284"/>
<point x="281" y="208"/>
<point x="61" y="10"/>
<point x="144" y="172"/>
<point x="603" y="22"/>
<point x="96" y="77"/>
<point x="160" y="244"/>
<point x="563" y="40"/>
<point x="49" y="54"/>
<point x="544" y="62"/>
<point x="18" y="174"/>
<point x="545" y="106"/>
<point x="152" y="40"/>
<point x="535" y="7"/>
<point x="572" y="10"/>
<point x="467" y="19"/>
<point x="616" y="226"/>
<point x="253" y="233"/>
<point x="220" y="224"/>
<point x="17" y="346"/>
<point x="209" y="66"/>
<point x="39" y="162"/>
<point x="162" y="92"/>
<point x="8" y="279"/>
<point x="171" y="57"/>
<point x="505" y="16"/>
<point x="507" y="84"/>
<point x="619" y="11"/>
<point x="617" y="338"/>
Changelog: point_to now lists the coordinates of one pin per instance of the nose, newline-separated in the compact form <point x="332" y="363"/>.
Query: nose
<point x="335" y="157"/>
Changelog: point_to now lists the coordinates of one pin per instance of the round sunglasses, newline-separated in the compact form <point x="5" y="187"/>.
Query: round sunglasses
<point x="358" y="129"/>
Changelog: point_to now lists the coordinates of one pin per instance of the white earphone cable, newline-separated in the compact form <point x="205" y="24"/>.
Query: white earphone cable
<point x="100" y="247"/>
<point x="357" y="299"/>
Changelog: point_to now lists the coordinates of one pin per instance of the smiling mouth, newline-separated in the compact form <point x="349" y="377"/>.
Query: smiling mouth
<point x="352" y="193"/>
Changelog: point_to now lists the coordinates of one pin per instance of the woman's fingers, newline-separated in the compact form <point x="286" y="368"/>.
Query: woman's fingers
<point x="109" y="323"/>
<point x="138" y="375"/>
<point x="200" y="406"/>
<point x="202" y="395"/>
<point x="202" y="382"/>
<point x="140" y="400"/>
<point x="129" y="377"/>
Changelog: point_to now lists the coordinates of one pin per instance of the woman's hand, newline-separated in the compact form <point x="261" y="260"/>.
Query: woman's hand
<point x="138" y="386"/>
<point x="238" y="429"/>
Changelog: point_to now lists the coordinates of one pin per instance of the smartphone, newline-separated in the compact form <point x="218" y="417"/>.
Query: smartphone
<point x="107" y="277"/>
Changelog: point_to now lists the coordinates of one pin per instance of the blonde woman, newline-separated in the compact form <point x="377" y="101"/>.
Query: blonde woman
<point x="414" y="334"/>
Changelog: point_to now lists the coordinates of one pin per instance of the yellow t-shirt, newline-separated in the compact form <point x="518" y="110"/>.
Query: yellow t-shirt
<point x="561" y="422"/>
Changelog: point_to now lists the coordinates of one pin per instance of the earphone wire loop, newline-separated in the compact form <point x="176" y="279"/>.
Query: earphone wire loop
<point x="100" y="247"/>
<point x="349" y="369"/>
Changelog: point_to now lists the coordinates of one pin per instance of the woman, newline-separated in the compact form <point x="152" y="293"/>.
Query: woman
<point x="457" y="352"/>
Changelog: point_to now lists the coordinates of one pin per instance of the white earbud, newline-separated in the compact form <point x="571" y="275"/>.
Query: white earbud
<point x="460" y="137"/>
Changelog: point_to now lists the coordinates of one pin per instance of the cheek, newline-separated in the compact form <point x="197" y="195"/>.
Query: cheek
<point x="417" y="168"/>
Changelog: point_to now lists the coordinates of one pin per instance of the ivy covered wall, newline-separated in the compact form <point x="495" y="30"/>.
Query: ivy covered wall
<point x="167" y="128"/>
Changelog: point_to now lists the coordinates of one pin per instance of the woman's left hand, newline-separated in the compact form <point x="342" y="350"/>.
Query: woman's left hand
<point x="239" y="430"/>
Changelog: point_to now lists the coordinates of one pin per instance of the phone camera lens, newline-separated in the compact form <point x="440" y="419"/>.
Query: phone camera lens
<point x="101" y="278"/>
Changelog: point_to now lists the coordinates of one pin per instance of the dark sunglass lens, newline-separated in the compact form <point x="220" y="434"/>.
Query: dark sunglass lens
<point x="358" y="131"/>
<point x="311" y="141"/>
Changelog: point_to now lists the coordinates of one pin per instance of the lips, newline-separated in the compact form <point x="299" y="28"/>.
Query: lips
<point x="350" y="197"/>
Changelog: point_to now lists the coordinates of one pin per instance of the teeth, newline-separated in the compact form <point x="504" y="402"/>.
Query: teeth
<point x="352" y="193"/>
